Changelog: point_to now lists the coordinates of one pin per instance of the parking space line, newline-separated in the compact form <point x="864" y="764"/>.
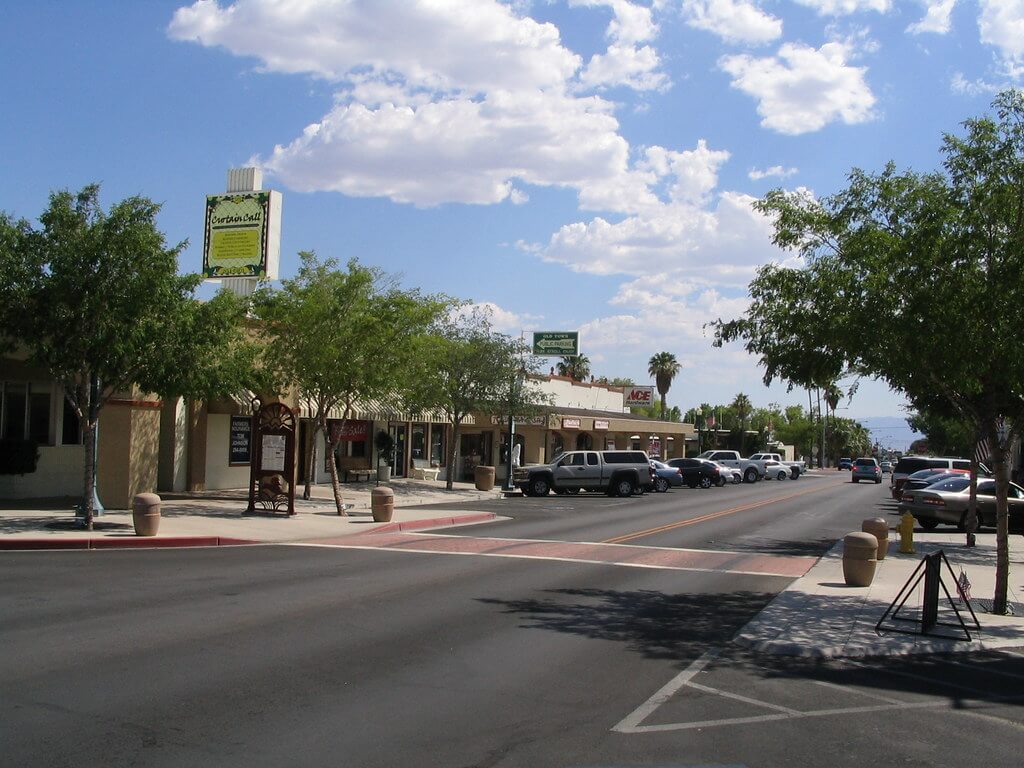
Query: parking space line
<point x="848" y="689"/>
<point x="744" y="699"/>
<point x="632" y="721"/>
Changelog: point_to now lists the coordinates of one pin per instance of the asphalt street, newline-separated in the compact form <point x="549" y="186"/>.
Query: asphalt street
<point x="321" y="654"/>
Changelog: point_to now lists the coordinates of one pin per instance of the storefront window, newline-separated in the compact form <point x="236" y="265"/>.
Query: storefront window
<point x="419" y="441"/>
<point x="437" y="446"/>
<point x="584" y="442"/>
<point x="12" y="411"/>
<point x="557" y="444"/>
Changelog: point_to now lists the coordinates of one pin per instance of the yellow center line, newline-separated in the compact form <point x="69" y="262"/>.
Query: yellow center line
<point x="712" y="516"/>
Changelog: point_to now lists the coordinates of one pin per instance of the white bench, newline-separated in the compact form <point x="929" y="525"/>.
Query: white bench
<point x="422" y="470"/>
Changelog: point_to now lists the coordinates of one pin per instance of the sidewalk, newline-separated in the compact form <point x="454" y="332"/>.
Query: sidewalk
<point x="214" y="518"/>
<point x="816" y="616"/>
<point x="819" y="616"/>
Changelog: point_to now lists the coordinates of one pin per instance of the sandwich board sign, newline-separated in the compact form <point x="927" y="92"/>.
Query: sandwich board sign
<point x="556" y="343"/>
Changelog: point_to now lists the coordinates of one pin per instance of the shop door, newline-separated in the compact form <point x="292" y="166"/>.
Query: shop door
<point x="398" y="464"/>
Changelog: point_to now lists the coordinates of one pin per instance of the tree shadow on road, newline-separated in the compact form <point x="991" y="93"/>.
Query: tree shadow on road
<point x="655" y="624"/>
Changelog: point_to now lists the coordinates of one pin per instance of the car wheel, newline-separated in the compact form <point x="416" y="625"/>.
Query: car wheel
<point x="928" y="523"/>
<point x="878" y="481"/>
<point x="720" y="482"/>
<point x="624" y="487"/>
<point x="539" y="487"/>
<point x="750" y="476"/>
<point x="661" y="485"/>
<point x="782" y="475"/>
<point x="705" y="481"/>
<point x="854" y="479"/>
<point x="795" y="472"/>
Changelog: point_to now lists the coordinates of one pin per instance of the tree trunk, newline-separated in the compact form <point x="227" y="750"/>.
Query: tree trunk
<point x="453" y="451"/>
<point x="89" y="478"/>
<point x="311" y="467"/>
<point x="1002" y="471"/>
<point x="339" y="502"/>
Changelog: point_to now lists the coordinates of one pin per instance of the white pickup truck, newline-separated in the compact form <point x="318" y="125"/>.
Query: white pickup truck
<point x="795" y="467"/>
<point x="752" y="470"/>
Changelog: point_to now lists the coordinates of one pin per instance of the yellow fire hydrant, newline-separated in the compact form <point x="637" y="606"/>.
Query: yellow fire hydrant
<point x="907" y="534"/>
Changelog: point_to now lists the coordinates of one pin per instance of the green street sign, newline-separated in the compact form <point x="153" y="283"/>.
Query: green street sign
<point x="556" y="343"/>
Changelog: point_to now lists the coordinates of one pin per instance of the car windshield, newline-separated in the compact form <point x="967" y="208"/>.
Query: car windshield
<point x="921" y="474"/>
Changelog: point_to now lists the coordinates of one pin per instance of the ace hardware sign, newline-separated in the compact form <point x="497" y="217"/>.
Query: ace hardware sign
<point x="634" y="396"/>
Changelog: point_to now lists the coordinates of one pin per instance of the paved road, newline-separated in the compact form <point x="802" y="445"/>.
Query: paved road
<point x="314" y="655"/>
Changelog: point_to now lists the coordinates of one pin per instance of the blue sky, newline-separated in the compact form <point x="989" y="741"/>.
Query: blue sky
<point x="585" y="165"/>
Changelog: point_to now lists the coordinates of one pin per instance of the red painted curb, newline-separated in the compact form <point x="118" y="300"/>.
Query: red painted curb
<point x="434" y="522"/>
<point x="125" y="543"/>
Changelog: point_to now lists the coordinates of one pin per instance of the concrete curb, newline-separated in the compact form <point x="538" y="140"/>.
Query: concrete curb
<point x="434" y="522"/>
<point x="155" y="542"/>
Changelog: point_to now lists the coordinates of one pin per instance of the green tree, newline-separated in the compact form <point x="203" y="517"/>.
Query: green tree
<point x="663" y="367"/>
<point x="462" y="366"/>
<point x="342" y="337"/>
<point x="899" y="266"/>
<point x="96" y="299"/>
<point x="742" y="407"/>
<point x="576" y="368"/>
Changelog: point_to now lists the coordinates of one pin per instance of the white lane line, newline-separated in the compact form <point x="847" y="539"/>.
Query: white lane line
<point x="851" y="689"/>
<point x="514" y="556"/>
<point x="933" y="680"/>
<point x="744" y="699"/>
<point x="631" y="722"/>
<point x="781" y="716"/>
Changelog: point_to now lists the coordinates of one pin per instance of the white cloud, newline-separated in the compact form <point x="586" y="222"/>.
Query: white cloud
<point x="1001" y="24"/>
<point x="626" y="62"/>
<point x="936" y="18"/>
<point x="736" y="21"/>
<point x="961" y="85"/>
<point x="803" y="89"/>
<point x="845" y="7"/>
<point x="776" y="171"/>
<point x="502" y="320"/>
<point x="464" y="46"/>
<point x="455" y="149"/>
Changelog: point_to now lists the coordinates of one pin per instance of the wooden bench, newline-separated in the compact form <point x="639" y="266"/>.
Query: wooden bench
<point x="422" y="470"/>
<point x="354" y="468"/>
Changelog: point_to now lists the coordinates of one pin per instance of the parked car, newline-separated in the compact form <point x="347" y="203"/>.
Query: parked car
<point x="752" y="470"/>
<point x="665" y="477"/>
<point x="866" y="468"/>
<point x="845" y="464"/>
<point x="697" y="472"/>
<point x="947" y="500"/>
<point x="728" y="474"/>
<point x="910" y="464"/>
<point x="795" y="467"/>
<point x="617" y="473"/>
<point x="774" y="470"/>
<point x="925" y="477"/>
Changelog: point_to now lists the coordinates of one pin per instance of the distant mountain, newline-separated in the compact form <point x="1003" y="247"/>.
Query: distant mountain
<point x="891" y="432"/>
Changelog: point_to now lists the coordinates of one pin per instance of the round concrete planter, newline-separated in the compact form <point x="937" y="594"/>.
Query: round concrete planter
<point x="146" y="514"/>
<point x="382" y="504"/>
<point x="483" y="477"/>
<point x="880" y="529"/>
<point x="859" y="558"/>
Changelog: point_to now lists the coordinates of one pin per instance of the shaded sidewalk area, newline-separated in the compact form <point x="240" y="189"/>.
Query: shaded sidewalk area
<point x="211" y="518"/>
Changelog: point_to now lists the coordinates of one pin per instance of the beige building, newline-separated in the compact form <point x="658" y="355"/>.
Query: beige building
<point x="146" y="444"/>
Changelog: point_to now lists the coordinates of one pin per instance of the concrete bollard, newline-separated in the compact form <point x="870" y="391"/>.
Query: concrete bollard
<point x="880" y="529"/>
<point x="382" y="504"/>
<point x="146" y="514"/>
<point x="859" y="558"/>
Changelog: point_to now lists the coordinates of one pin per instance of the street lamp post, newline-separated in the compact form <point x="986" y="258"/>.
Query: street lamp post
<point x="698" y="412"/>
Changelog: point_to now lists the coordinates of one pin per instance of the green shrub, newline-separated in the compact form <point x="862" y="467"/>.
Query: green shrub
<point x="18" y="457"/>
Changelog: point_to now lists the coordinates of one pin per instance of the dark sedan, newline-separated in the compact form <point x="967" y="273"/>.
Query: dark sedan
<point x="697" y="472"/>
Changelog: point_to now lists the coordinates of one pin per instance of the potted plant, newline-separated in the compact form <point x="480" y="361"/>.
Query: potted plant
<point x="385" y="444"/>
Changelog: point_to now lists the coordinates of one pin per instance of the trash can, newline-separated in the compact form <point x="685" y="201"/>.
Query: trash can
<point x="483" y="476"/>
<point x="382" y="504"/>
<point x="146" y="514"/>
<point x="859" y="558"/>
<point x="880" y="529"/>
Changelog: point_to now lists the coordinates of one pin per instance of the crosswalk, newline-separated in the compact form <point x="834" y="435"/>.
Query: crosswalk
<point x="622" y="555"/>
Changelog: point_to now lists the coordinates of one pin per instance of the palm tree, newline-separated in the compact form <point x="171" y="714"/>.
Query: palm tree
<point x="663" y="367"/>
<point x="741" y="404"/>
<point x="576" y="368"/>
<point x="833" y="395"/>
